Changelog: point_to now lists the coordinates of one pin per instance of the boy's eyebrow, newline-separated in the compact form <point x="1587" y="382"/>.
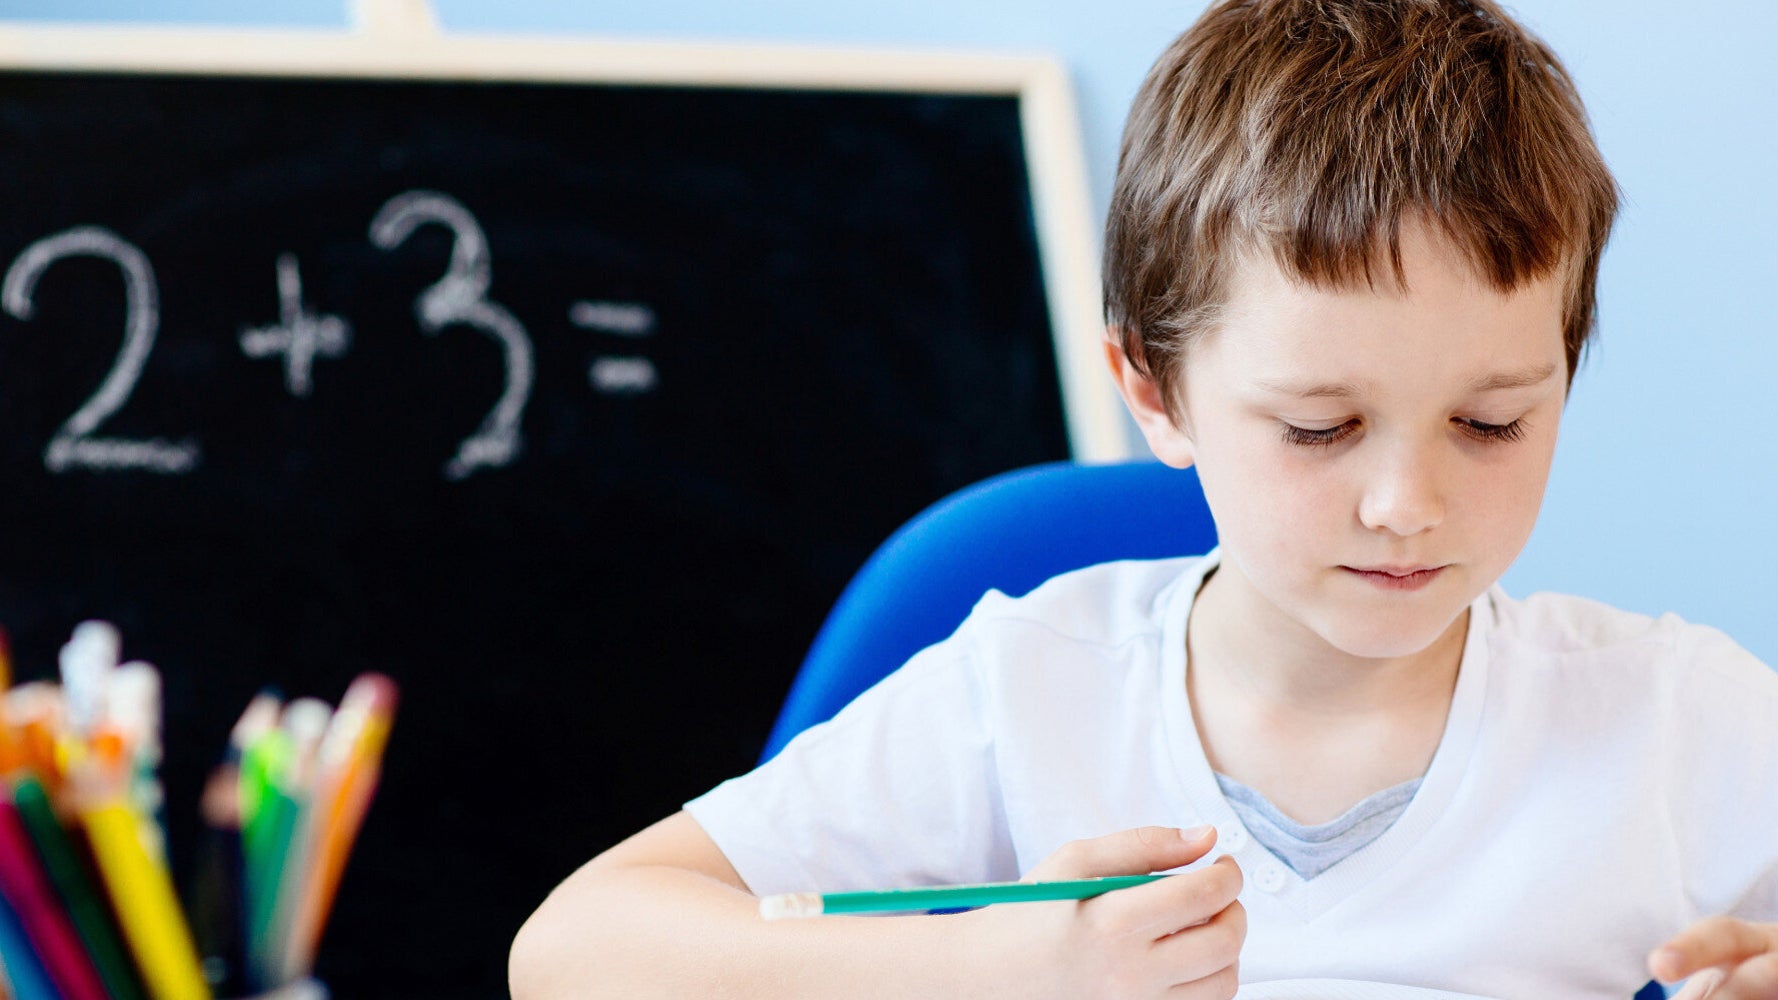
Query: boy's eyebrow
<point x="1338" y="390"/>
<point x="1491" y="382"/>
<point x="1513" y="380"/>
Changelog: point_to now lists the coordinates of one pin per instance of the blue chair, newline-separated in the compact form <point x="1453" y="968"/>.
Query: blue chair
<point x="1010" y="533"/>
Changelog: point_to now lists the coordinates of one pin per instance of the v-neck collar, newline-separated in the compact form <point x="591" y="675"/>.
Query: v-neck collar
<point x="1310" y="898"/>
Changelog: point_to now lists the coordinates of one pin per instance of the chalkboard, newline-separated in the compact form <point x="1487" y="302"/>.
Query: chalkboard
<point x="571" y="404"/>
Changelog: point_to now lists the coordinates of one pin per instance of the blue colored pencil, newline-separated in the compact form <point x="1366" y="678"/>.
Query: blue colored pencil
<point x="24" y="972"/>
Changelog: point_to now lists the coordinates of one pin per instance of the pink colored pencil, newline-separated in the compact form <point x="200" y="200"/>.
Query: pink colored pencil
<point x="52" y="934"/>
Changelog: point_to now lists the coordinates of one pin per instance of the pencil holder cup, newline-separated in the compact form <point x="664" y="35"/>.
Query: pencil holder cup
<point x="302" y="989"/>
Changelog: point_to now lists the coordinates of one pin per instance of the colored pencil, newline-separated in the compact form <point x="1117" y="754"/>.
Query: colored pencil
<point x="34" y="710"/>
<point x="348" y="771"/>
<point x="86" y="664"/>
<point x="133" y="710"/>
<point x="267" y="816"/>
<point x="285" y="848"/>
<point x="86" y="907"/>
<point x="811" y="904"/>
<point x="136" y="880"/>
<point x="40" y="913"/>
<point x="217" y="903"/>
<point x="24" y="970"/>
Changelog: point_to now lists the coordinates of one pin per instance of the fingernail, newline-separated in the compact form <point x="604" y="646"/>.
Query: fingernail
<point x="1667" y="959"/>
<point x="1194" y="833"/>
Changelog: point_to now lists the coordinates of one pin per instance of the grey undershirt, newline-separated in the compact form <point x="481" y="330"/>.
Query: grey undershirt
<point x="1311" y="850"/>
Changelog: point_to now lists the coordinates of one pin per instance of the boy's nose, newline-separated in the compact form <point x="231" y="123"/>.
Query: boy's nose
<point x="1402" y="493"/>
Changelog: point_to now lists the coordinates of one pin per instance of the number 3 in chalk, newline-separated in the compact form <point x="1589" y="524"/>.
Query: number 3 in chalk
<point x="461" y="297"/>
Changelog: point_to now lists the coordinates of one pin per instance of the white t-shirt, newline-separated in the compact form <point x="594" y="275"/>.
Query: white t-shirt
<point x="1604" y="779"/>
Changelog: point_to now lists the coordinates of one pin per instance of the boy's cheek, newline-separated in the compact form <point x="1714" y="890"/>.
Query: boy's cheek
<point x="1263" y="491"/>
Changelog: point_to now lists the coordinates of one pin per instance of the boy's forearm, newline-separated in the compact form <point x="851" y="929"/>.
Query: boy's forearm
<point x="637" y="932"/>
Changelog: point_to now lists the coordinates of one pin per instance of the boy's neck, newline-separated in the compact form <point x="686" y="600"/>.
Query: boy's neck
<point x="1239" y="644"/>
<point x="1311" y="728"/>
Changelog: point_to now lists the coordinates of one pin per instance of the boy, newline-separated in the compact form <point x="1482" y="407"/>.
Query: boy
<point x="1349" y="274"/>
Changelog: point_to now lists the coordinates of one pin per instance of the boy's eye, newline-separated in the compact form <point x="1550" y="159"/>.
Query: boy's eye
<point x="1494" y="432"/>
<point x="1326" y="436"/>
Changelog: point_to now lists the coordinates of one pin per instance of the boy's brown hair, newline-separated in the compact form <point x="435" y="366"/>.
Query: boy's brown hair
<point x="1311" y="128"/>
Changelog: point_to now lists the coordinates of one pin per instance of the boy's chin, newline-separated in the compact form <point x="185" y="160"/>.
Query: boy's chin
<point x="1387" y="640"/>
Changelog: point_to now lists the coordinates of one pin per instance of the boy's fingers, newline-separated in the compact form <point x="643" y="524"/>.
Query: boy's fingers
<point x="1199" y="951"/>
<point x="1222" y="983"/>
<point x="1713" y="941"/>
<point x="1754" y="979"/>
<point x="1128" y="852"/>
<point x="1182" y="901"/>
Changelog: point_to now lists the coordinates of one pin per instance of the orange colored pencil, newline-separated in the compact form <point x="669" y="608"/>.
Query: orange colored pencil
<point x="34" y="710"/>
<point x="351" y="762"/>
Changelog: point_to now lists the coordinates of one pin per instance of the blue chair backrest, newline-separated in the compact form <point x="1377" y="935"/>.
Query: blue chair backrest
<point x="1007" y="533"/>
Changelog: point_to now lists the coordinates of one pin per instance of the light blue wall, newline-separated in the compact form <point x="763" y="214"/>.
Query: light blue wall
<point x="1665" y="492"/>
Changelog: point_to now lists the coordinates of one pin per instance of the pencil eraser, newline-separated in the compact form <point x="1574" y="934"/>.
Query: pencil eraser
<point x="790" y="905"/>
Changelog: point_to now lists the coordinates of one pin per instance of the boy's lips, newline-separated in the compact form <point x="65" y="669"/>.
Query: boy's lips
<point x="1396" y="577"/>
<point x="1393" y="570"/>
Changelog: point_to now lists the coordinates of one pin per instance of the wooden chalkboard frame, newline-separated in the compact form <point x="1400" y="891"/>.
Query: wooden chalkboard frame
<point x="395" y="39"/>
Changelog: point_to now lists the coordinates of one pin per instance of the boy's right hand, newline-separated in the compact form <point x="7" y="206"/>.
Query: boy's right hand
<point x="1177" y="937"/>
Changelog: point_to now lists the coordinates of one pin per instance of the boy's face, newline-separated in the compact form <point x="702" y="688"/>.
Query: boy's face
<point x="1346" y="437"/>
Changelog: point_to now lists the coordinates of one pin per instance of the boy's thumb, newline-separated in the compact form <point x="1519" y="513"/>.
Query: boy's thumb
<point x="1139" y="851"/>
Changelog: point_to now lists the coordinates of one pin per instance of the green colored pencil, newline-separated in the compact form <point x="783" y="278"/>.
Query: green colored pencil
<point x="814" y="904"/>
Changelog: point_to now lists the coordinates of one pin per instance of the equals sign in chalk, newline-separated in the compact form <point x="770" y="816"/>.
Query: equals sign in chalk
<point x="618" y="374"/>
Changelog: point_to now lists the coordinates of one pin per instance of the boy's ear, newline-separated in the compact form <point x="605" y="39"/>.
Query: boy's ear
<point x="1169" y="442"/>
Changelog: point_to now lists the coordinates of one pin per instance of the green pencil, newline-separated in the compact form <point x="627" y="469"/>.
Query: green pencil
<point x="814" y="904"/>
<point x="268" y="819"/>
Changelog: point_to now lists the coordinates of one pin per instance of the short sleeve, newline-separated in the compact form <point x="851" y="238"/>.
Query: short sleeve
<point x="899" y="789"/>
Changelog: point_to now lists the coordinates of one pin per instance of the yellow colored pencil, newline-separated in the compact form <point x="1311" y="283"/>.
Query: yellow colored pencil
<point x="147" y="908"/>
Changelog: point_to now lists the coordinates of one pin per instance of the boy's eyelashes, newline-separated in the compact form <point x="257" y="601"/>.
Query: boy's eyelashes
<point x="1318" y="438"/>
<point x="1325" y="437"/>
<point x="1511" y="431"/>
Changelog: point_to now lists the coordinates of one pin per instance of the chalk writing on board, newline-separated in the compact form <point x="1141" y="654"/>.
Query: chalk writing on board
<point x="461" y="296"/>
<point x="74" y="446"/>
<point x="622" y="376"/>
<point x="618" y="374"/>
<point x="298" y="335"/>
<point x="626" y="319"/>
<point x="301" y="336"/>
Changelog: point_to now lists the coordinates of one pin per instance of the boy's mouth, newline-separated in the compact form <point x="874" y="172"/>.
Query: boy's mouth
<point x="1396" y="577"/>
